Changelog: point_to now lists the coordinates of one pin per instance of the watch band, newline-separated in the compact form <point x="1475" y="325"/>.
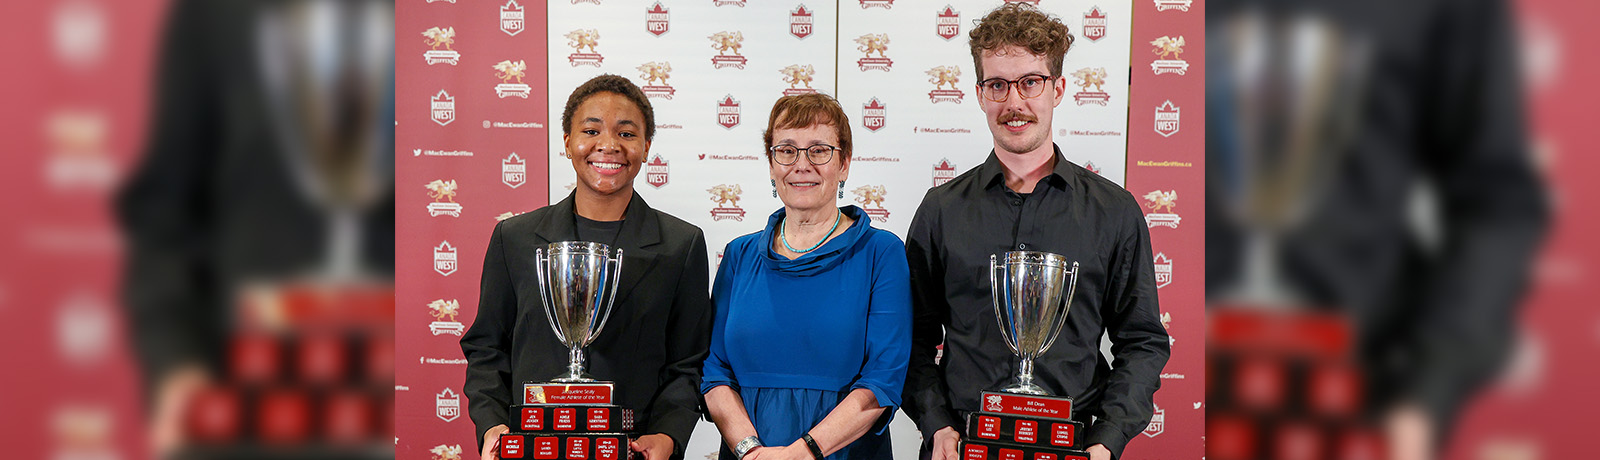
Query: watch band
<point x="745" y="446"/>
<point x="816" y="452"/>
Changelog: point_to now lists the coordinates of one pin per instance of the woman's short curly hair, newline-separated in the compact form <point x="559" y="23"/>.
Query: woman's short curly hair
<point x="1021" y="24"/>
<point x="610" y="84"/>
<point x="804" y="111"/>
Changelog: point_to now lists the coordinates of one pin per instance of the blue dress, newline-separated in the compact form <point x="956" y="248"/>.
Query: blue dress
<point x="795" y="337"/>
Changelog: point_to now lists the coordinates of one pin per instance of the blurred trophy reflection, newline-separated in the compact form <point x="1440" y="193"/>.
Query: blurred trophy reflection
<point x="1294" y="87"/>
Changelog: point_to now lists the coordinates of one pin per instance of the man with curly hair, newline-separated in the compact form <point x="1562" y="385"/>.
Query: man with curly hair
<point x="1027" y="197"/>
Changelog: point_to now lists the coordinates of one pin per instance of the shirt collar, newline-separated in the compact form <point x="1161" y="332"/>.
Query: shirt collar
<point x="994" y="173"/>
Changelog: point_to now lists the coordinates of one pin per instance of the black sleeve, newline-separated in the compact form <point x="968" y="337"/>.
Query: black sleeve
<point x="487" y="344"/>
<point x="174" y="304"/>
<point x="676" y="407"/>
<point x="926" y="398"/>
<point x="1139" y="344"/>
<point x="1492" y="207"/>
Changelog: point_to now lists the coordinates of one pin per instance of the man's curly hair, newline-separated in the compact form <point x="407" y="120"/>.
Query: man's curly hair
<point x="1021" y="24"/>
<point x="610" y="84"/>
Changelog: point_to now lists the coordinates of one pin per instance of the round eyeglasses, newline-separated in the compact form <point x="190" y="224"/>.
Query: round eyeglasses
<point x="998" y="89"/>
<point x="788" y="154"/>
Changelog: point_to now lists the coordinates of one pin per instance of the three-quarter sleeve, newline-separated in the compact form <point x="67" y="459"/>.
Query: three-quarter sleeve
<point x="888" y="328"/>
<point x="716" y="371"/>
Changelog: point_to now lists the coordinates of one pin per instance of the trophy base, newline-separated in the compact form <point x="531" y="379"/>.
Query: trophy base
<point x="564" y="446"/>
<point x="576" y="418"/>
<point x="577" y="393"/>
<point x="1029" y="431"/>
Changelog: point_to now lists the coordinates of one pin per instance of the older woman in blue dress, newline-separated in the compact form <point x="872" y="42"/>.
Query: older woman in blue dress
<point x="813" y="325"/>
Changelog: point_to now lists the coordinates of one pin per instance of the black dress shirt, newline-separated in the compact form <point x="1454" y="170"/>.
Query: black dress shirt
<point x="651" y="347"/>
<point x="1071" y="212"/>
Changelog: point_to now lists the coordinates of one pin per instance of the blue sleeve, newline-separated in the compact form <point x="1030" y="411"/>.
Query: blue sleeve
<point x="716" y="371"/>
<point x="888" y="328"/>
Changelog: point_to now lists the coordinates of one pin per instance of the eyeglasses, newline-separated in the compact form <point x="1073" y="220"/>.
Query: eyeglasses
<point x="787" y="154"/>
<point x="998" y="90"/>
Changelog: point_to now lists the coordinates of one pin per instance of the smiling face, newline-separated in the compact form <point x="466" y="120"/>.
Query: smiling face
<point x="803" y="186"/>
<point x="1020" y="125"/>
<point x="607" y="144"/>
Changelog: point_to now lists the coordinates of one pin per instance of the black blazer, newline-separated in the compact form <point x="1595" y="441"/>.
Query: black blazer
<point x="652" y="346"/>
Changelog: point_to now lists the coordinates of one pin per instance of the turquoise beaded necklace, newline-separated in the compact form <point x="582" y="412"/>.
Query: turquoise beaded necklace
<point x="785" y="239"/>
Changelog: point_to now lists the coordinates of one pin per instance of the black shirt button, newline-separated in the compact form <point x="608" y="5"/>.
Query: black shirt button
<point x="1016" y="202"/>
<point x="1023" y="246"/>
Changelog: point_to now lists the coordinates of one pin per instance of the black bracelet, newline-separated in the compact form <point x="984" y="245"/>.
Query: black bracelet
<point x="816" y="452"/>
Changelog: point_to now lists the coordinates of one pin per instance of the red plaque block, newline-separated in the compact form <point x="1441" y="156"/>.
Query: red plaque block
<point x="566" y="419"/>
<point x="215" y="415"/>
<point x="1054" y="407"/>
<point x="608" y="448"/>
<point x="972" y="449"/>
<point x="565" y="393"/>
<point x="255" y="358"/>
<point x="1018" y="429"/>
<point x="546" y="448"/>
<point x="511" y="446"/>
<point x="347" y="417"/>
<point x="321" y="358"/>
<point x="532" y="418"/>
<point x="284" y="417"/>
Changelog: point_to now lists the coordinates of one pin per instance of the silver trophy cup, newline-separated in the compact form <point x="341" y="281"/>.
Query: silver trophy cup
<point x="578" y="282"/>
<point x="1028" y="290"/>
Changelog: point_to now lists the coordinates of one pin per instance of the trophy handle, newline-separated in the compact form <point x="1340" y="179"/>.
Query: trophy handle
<point x="541" y="266"/>
<point x="614" y="268"/>
<point x="1072" y="286"/>
<point x="995" y="273"/>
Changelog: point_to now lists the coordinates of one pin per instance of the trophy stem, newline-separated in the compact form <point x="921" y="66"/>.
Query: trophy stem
<point x="574" y="367"/>
<point x="1024" y="381"/>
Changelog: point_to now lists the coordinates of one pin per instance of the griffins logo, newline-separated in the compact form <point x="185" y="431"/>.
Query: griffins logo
<point x="991" y="403"/>
<point x="511" y="18"/>
<point x="507" y="70"/>
<point x="444" y="198"/>
<point x="1163" y="271"/>
<point x="656" y="172"/>
<point x="738" y="3"/>
<point x="1094" y="24"/>
<point x="874" y="43"/>
<point x="655" y="75"/>
<point x="447" y="405"/>
<point x="727" y="198"/>
<point x="1170" y="51"/>
<point x="444" y="452"/>
<point x="1158" y="422"/>
<point x="874" y="115"/>
<point x="796" y="75"/>
<point x="943" y="171"/>
<point x="444" y="108"/>
<point x="885" y="4"/>
<point x="869" y="196"/>
<point x="1091" y="76"/>
<point x="436" y="37"/>
<point x="941" y="76"/>
<point x="513" y="171"/>
<point x="444" y="317"/>
<point x="656" y="20"/>
<point x="444" y="258"/>
<point x="728" y="112"/>
<point x="947" y="24"/>
<point x="579" y="40"/>
<point x="726" y="42"/>
<point x="800" y="22"/>
<point x="1180" y="5"/>
<point x="1157" y="201"/>
<point x="1168" y="117"/>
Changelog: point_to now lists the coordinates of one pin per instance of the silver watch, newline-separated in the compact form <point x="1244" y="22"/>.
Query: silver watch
<point x="745" y="446"/>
